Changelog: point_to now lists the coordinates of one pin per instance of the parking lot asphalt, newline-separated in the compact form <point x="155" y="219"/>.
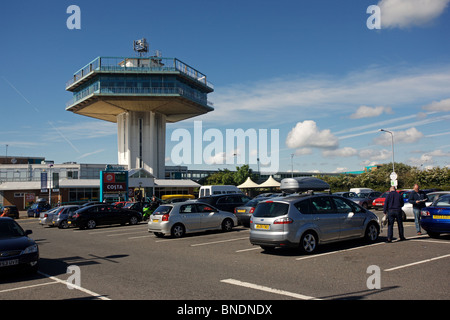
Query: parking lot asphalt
<point x="127" y="263"/>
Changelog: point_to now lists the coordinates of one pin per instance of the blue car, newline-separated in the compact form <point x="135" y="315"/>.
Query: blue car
<point x="435" y="219"/>
<point x="17" y="251"/>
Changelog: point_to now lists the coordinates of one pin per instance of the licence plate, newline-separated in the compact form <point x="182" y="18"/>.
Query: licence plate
<point x="241" y="210"/>
<point x="69" y="222"/>
<point x="8" y="263"/>
<point x="155" y="220"/>
<point x="440" y="217"/>
<point x="262" y="226"/>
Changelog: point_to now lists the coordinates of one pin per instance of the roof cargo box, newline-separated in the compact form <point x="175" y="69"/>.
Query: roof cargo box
<point x="301" y="184"/>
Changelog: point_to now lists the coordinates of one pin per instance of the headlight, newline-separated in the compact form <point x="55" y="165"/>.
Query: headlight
<point x="30" y="249"/>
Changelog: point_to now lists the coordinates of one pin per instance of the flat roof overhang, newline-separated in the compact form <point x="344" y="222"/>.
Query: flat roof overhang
<point x="108" y="107"/>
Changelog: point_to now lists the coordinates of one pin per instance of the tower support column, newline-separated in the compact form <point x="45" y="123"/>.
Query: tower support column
<point x="141" y="141"/>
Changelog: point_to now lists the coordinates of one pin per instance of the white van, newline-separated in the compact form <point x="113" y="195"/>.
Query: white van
<point x="206" y="191"/>
<point x="361" y="190"/>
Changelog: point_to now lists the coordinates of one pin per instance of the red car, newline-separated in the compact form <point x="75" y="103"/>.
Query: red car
<point x="378" y="203"/>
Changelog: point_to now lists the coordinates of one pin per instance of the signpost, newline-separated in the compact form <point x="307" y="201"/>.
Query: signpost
<point x="113" y="183"/>
<point x="394" y="177"/>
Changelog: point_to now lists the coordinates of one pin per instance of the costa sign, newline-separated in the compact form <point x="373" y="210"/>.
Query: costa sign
<point x="114" y="182"/>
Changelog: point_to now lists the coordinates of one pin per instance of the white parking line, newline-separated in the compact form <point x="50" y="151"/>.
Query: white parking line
<point x="122" y="234"/>
<point x="416" y="263"/>
<point x="267" y="289"/>
<point x="338" y="251"/>
<point x="27" y="287"/>
<point x="243" y="250"/>
<point x="214" y="242"/>
<point x="89" y="292"/>
<point x="146" y="236"/>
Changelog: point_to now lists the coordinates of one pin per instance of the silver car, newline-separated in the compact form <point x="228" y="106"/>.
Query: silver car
<point x="179" y="218"/>
<point x="305" y="221"/>
<point x="46" y="218"/>
<point x="61" y="217"/>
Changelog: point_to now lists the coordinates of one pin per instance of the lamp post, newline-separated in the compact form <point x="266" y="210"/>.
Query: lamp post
<point x="292" y="165"/>
<point x="392" y="140"/>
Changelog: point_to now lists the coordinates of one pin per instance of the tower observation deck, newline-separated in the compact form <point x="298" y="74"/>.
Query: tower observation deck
<point x="140" y="94"/>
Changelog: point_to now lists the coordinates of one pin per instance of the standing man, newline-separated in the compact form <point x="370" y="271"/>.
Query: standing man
<point x="417" y="198"/>
<point x="393" y="208"/>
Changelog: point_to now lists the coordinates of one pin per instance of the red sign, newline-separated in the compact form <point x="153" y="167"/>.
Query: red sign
<point x="114" y="182"/>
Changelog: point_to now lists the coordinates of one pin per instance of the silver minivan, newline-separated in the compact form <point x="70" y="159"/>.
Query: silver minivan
<point x="305" y="221"/>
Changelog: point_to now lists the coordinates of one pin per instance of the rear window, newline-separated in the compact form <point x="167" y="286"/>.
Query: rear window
<point x="163" y="210"/>
<point x="271" y="209"/>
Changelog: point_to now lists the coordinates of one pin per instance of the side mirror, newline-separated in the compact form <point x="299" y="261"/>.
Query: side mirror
<point x="28" y="232"/>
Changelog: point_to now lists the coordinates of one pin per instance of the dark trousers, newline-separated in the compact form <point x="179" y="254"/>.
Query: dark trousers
<point x="392" y="216"/>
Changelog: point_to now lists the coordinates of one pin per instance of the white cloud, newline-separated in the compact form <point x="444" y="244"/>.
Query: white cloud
<point x="368" y="112"/>
<point x="443" y="105"/>
<point x="408" y="136"/>
<point x="343" y="152"/>
<point x="303" y="151"/>
<point x="306" y="134"/>
<point x="406" y="13"/>
<point x="308" y="96"/>
<point x="375" y="155"/>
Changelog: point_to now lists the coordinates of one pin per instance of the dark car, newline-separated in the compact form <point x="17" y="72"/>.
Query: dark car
<point x="103" y="214"/>
<point x="244" y="212"/>
<point x="435" y="219"/>
<point x="136" y="206"/>
<point x="17" y="250"/>
<point x="226" y="202"/>
<point x="36" y="209"/>
<point x="13" y="212"/>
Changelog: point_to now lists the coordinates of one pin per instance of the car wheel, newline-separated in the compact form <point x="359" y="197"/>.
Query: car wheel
<point x="372" y="233"/>
<point x="308" y="242"/>
<point x="433" y="234"/>
<point x="133" y="220"/>
<point x="227" y="225"/>
<point x="63" y="225"/>
<point x="177" y="231"/>
<point x="91" y="224"/>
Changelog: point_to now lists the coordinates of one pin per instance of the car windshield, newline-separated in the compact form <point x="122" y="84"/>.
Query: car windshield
<point x="163" y="210"/>
<point x="10" y="229"/>
<point x="271" y="209"/>
<point x="443" y="201"/>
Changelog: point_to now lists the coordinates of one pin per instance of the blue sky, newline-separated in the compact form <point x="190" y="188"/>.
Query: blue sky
<point x="311" y="69"/>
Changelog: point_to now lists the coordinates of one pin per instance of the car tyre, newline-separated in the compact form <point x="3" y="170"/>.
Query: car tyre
<point x="433" y="235"/>
<point x="178" y="231"/>
<point x="133" y="220"/>
<point x="91" y="224"/>
<point x="63" y="225"/>
<point x="227" y="225"/>
<point x="372" y="232"/>
<point x="309" y="242"/>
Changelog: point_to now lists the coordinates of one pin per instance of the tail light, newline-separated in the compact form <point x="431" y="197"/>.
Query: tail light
<point x="283" y="221"/>
<point x="252" y="209"/>
<point x="45" y="215"/>
<point x="234" y="210"/>
<point x="425" y="213"/>
<point x="165" y="217"/>
<point x="76" y="215"/>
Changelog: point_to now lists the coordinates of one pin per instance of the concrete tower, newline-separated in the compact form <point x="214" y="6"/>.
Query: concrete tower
<point x="140" y="94"/>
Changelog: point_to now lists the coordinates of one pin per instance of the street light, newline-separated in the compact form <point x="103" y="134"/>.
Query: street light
<point x="392" y="137"/>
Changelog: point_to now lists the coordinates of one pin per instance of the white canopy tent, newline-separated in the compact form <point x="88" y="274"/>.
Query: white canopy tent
<point x="248" y="184"/>
<point x="270" y="183"/>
